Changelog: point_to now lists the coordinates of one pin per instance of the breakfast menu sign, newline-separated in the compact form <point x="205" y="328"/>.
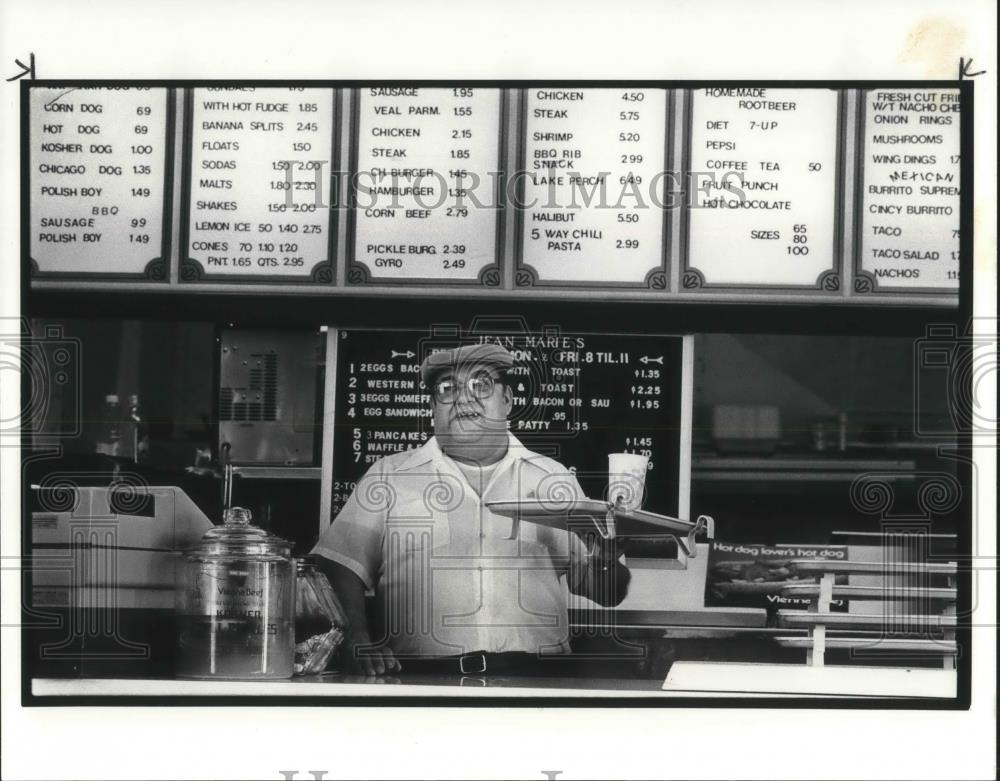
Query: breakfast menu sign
<point x="576" y="398"/>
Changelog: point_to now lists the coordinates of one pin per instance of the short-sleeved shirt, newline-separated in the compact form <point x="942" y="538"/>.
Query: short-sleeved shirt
<point x="446" y="578"/>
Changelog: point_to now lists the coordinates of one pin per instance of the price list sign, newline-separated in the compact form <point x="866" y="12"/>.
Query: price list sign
<point x="577" y="398"/>
<point x="427" y="186"/>
<point x="593" y="187"/>
<point x="98" y="162"/>
<point x="763" y="173"/>
<point x="258" y="208"/>
<point x="910" y="189"/>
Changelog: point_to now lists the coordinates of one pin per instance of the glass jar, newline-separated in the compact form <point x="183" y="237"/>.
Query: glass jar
<point x="236" y="604"/>
<point x="320" y="620"/>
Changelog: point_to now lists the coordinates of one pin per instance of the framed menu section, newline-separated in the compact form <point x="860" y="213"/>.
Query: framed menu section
<point x="592" y="188"/>
<point x="427" y="186"/>
<point x="99" y="190"/>
<point x="576" y="398"/>
<point x="258" y="167"/>
<point x="909" y="220"/>
<point x="763" y="173"/>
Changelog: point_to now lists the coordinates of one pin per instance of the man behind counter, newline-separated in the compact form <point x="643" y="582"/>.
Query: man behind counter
<point x="452" y="593"/>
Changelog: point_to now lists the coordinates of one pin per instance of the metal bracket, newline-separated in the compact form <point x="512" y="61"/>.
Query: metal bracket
<point x="704" y="523"/>
<point x="608" y="532"/>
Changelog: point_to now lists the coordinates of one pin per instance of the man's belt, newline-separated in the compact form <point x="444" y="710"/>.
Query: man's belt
<point x="478" y="663"/>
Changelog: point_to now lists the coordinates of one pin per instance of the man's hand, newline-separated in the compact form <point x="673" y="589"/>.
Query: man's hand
<point x="362" y="657"/>
<point x="601" y="577"/>
<point x="359" y="654"/>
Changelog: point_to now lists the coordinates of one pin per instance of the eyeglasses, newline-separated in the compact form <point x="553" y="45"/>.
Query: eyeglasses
<point x="479" y="386"/>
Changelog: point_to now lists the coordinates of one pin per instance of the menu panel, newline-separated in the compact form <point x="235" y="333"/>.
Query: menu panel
<point x="593" y="187"/>
<point x="259" y="205"/>
<point x="98" y="161"/>
<point x="763" y="174"/>
<point x="910" y="204"/>
<point x="576" y="398"/>
<point x="427" y="185"/>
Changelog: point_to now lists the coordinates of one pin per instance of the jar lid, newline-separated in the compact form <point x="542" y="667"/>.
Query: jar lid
<point x="238" y="537"/>
<point x="308" y="561"/>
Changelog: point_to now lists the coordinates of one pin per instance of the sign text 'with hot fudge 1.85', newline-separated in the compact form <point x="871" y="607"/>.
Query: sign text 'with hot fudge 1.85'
<point x="259" y="158"/>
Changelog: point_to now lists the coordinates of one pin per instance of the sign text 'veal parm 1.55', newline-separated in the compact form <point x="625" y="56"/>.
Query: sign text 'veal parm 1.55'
<point x="427" y="192"/>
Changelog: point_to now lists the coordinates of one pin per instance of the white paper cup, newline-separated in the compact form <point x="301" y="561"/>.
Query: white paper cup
<point x="627" y="479"/>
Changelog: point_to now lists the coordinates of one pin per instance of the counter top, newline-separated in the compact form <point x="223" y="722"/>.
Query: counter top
<point x="339" y="685"/>
<point x="686" y="680"/>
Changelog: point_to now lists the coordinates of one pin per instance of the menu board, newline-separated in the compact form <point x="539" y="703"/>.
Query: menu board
<point x="98" y="183"/>
<point x="259" y="163"/>
<point x="910" y="189"/>
<point x="763" y="173"/>
<point x="577" y="398"/>
<point x="427" y="185"/>
<point x="592" y="187"/>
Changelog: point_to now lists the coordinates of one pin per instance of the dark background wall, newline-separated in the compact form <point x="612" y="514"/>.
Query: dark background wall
<point x="173" y="366"/>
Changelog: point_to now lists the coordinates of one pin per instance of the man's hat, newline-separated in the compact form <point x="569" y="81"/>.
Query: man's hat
<point x="479" y="354"/>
